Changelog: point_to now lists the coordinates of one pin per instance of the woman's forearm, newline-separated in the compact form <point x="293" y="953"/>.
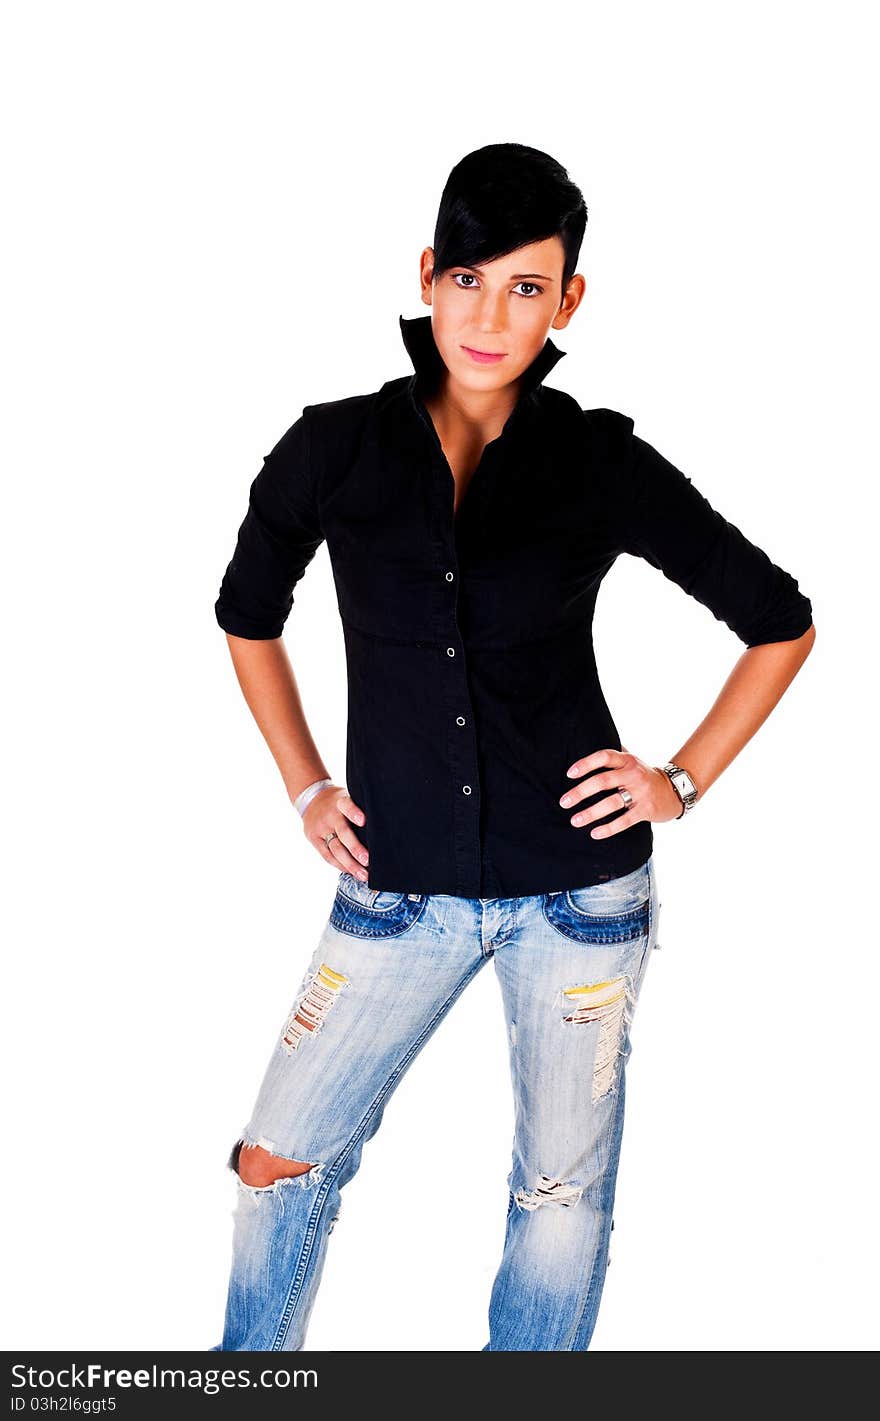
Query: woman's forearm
<point x="269" y="686"/>
<point x="754" y="686"/>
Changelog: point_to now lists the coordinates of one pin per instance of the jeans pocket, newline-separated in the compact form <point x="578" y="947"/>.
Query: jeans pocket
<point x="617" y="911"/>
<point x="368" y="912"/>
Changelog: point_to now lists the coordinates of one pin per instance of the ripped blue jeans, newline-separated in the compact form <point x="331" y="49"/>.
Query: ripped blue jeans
<point x="570" y="966"/>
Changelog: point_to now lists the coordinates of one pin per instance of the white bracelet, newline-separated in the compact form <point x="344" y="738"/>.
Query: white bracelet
<point x="305" y="796"/>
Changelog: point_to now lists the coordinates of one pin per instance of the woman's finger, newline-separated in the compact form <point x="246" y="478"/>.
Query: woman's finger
<point x="345" y="858"/>
<point x="606" y="805"/>
<point x="598" y="760"/>
<point x="322" y="849"/>
<point x="609" y="780"/>
<point x="336" y="852"/>
<point x="350" y="839"/>
<point x="604" y="831"/>
<point x="345" y="846"/>
<point x="346" y="805"/>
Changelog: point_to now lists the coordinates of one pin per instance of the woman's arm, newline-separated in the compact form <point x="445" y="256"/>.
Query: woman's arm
<point x="756" y="684"/>
<point x="277" y="540"/>
<point x="663" y="518"/>
<point x="269" y="686"/>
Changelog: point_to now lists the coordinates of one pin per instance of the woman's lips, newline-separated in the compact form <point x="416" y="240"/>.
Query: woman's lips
<point x="483" y="357"/>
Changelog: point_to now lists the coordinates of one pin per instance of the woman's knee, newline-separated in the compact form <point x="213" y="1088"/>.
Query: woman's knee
<point x="258" y="1168"/>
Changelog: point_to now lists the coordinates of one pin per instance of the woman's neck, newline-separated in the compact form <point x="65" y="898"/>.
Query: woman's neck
<point x="459" y="414"/>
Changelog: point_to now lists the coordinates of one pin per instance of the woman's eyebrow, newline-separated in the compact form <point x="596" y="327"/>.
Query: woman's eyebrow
<point x="517" y="275"/>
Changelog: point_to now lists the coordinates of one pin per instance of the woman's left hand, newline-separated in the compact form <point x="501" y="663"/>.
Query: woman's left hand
<point x="653" y="795"/>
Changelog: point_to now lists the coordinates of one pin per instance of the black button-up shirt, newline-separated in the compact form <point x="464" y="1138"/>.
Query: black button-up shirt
<point x="472" y="683"/>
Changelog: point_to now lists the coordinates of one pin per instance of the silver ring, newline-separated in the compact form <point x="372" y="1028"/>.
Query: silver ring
<point x="625" y="796"/>
<point x="332" y="835"/>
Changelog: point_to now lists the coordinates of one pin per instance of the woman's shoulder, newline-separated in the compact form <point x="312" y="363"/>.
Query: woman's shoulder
<point x="606" y="435"/>
<point x="611" y="427"/>
<point x="345" y="410"/>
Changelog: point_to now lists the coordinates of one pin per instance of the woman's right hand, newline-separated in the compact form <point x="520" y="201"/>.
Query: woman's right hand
<point x="334" y="808"/>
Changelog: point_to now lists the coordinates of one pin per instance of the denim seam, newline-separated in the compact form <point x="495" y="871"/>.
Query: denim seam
<point x="295" y="1292"/>
<point x="596" y="1283"/>
<point x="593" y="929"/>
<point x="392" y="928"/>
<point x="599" y="1269"/>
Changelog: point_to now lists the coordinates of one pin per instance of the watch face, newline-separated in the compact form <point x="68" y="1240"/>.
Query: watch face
<point x="684" y="782"/>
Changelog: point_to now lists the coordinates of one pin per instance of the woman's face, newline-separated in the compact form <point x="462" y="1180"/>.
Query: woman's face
<point x="503" y="308"/>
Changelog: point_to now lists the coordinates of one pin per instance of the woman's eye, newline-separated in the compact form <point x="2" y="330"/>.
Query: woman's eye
<point x="464" y="280"/>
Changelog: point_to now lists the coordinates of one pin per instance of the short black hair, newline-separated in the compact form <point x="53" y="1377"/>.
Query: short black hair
<point x="504" y="196"/>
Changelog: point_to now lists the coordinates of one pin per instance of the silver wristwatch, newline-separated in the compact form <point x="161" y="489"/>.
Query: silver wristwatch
<point x="682" y="784"/>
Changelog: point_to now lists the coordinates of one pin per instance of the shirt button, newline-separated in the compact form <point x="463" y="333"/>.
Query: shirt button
<point x="459" y="720"/>
<point x="449" y="576"/>
<point x="450" y="651"/>
<point x="465" y="789"/>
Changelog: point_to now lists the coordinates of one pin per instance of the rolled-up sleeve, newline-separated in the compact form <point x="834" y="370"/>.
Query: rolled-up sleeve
<point x="277" y="540"/>
<point x="669" y="523"/>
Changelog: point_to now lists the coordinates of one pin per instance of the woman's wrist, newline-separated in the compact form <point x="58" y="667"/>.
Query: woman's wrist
<point x="683" y="783"/>
<point x="305" y="796"/>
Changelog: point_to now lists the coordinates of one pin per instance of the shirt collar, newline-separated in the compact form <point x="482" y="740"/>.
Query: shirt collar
<point x="418" y="338"/>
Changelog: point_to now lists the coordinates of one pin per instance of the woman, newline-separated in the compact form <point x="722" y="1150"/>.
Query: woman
<point x="489" y="809"/>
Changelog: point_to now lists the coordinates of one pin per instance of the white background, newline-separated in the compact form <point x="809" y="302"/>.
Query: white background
<point x="217" y="214"/>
